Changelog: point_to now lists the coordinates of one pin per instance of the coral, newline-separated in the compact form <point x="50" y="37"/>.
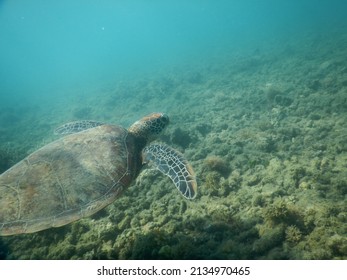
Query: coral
<point x="271" y="238"/>
<point x="125" y="223"/>
<point x="309" y="219"/>
<point x="211" y="182"/>
<point x="258" y="200"/>
<point x="216" y="163"/>
<point x="221" y="213"/>
<point x="217" y="185"/>
<point x="293" y="234"/>
<point x="277" y="212"/>
<point x="283" y="212"/>
<point x="253" y="179"/>
<point x="338" y="245"/>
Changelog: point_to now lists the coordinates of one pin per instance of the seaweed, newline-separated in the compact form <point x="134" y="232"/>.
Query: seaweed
<point x="218" y="164"/>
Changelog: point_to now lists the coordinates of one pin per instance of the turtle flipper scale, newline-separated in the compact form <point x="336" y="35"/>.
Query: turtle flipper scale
<point x="174" y="165"/>
<point x="76" y="126"/>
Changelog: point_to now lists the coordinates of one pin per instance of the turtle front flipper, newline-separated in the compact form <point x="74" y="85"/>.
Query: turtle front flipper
<point x="173" y="164"/>
<point x="76" y="126"/>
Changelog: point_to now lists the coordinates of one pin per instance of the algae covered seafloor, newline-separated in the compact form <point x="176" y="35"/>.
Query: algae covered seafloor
<point x="266" y="134"/>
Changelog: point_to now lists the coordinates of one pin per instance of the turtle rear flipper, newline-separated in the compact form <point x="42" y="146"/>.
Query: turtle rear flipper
<point x="76" y="126"/>
<point x="172" y="163"/>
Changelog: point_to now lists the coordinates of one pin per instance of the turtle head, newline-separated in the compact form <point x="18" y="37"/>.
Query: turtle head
<point x="149" y="127"/>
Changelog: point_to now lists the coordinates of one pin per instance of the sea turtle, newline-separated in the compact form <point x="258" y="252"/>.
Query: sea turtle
<point x="84" y="171"/>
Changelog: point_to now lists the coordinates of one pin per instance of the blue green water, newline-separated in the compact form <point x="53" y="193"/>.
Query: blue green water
<point x="256" y="95"/>
<point x="48" y="47"/>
